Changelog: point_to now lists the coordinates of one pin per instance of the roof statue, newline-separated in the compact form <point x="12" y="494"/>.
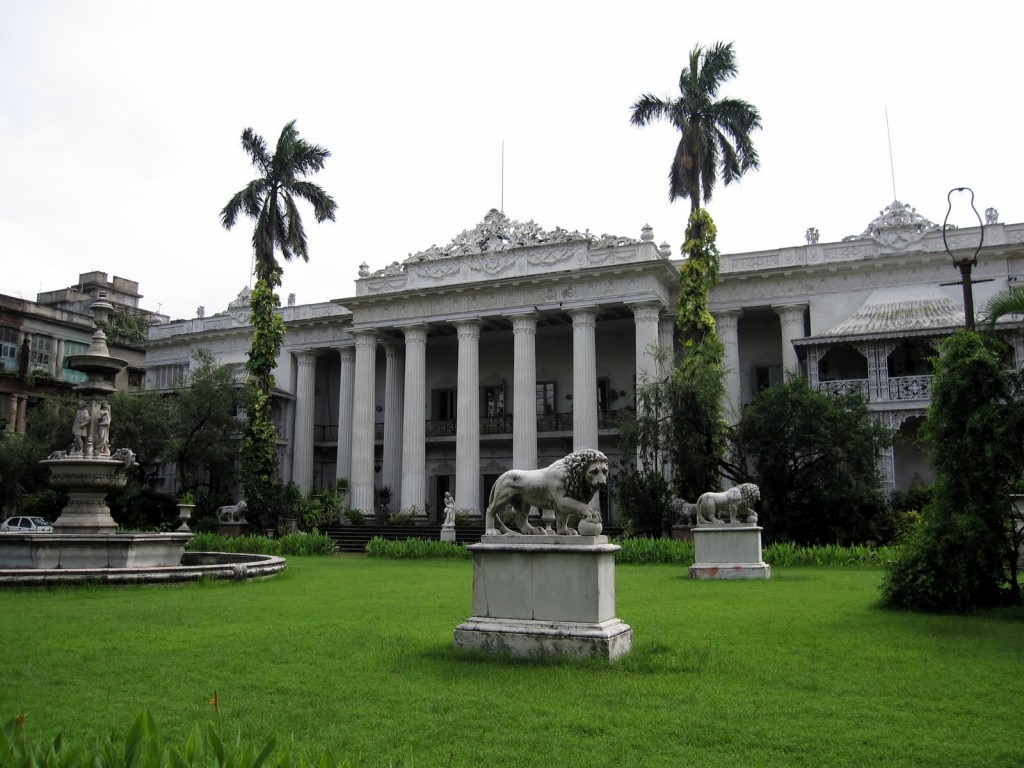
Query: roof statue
<point x="896" y="226"/>
<point x="497" y="232"/>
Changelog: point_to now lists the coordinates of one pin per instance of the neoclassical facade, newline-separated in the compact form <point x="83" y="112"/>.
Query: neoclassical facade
<point x="513" y="345"/>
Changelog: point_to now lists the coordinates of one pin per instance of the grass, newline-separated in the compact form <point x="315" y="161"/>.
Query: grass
<point x="355" y="655"/>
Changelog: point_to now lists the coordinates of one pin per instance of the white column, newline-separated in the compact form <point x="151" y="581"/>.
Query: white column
<point x="727" y="325"/>
<point x="584" y="378"/>
<point x="363" y="434"/>
<point x="467" y="428"/>
<point x="791" y="318"/>
<point x="302" y="443"/>
<point x="667" y="342"/>
<point x="524" y="383"/>
<point x="645" y="321"/>
<point x="345" y="395"/>
<point x="394" y="382"/>
<point x="414" y="456"/>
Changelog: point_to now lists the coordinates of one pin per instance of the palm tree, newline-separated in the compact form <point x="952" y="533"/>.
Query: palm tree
<point x="715" y="135"/>
<point x="270" y="200"/>
<point x="1008" y="302"/>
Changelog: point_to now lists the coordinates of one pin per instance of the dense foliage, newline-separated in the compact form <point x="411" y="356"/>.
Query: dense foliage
<point x="815" y="458"/>
<point x="314" y="543"/>
<point x="677" y="443"/>
<point x="270" y="201"/>
<point x="960" y="554"/>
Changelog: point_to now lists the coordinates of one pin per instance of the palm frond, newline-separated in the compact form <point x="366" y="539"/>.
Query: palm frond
<point x="1008" y="302"/>
<point x="256" y="148"/>
<point x="323" y="204"/>
<point x="718" y="66"/>
<point x="649" y="108"/>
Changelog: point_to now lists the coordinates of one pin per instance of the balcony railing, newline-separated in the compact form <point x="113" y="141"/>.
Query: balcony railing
<point x="844" y="387"/>
<point x="910" y="388"/>
<point x="900" y="388"/>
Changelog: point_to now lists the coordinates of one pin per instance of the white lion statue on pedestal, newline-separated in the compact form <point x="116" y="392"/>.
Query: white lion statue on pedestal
<point x="232" y="513"/>
<point x="738" y="502"/>
<point x="565" y="487"/>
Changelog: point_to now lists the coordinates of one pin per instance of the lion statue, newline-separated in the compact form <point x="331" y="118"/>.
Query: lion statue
<point x="683" y="511"/>
<point x="738" y="502"/>
<point x="566" y="487"/>
<point x="232" y="513"/>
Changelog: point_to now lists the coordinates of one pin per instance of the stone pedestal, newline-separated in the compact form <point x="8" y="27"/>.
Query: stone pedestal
<point x="233" y="530"/>
<point x="728" y="552"/>
<point x="448" y="533"/>
<point x="545" y="596"/>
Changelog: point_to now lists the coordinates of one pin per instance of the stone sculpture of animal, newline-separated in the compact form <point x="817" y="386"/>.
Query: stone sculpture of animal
<point x="232" y="513"/>
<point x="683" y="511"/>
<point x="738" y="502"/>
<point x="566" y="487"/>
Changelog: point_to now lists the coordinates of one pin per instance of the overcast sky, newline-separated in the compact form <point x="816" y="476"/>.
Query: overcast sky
<point x="120" y="124"/>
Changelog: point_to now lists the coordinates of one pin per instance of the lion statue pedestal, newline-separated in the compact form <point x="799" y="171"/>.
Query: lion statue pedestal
<point x="545" y="596"/>
<point x="728" y="548"/>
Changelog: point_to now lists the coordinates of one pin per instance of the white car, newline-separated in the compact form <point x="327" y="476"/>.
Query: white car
<point x="25" y="525"/>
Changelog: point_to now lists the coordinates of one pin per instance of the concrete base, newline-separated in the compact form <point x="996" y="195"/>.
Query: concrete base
<point x="96" y="550"/>
<point x="728" y="552"/>
<point x="545" y="596"/>
<point x="610" y="639"/>
<point x="448" y="533"/>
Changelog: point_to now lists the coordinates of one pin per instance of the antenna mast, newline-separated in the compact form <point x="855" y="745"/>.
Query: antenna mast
<point x="892" y="168"/>
<point x="502" y="175"/>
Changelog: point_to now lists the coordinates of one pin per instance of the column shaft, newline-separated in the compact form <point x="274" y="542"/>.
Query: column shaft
<point x="302" y="443"/>
<point x="414" y="457"/>
<point x="524" y="383"/>
<point x="727" y="326"/>
<point x="584" y="378"/>
<point x="467" y="429"/>
<point x="363" y="432"/>
<point x="791" y="318"/>
<point x="345" y="397"/>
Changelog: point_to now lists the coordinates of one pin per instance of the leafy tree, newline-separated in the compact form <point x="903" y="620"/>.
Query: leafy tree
<point x="715" y="136"/>
<point x="959" y="554"/>
<point x="270" y="200"/>
<point x="205" y="432"/>
<point x="815" y="459"/>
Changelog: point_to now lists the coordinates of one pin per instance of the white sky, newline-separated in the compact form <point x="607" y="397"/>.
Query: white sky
<point x="120" y="123"/>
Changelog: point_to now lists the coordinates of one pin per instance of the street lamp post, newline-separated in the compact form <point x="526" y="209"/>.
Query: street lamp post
<point x="964" y="262"/>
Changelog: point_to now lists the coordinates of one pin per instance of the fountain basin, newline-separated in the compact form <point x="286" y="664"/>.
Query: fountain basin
<point x="193" y="567"/>
<point x="92" y="550"/>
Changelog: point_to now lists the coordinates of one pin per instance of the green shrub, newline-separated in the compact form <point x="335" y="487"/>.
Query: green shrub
<point x="416" y="548"/>
<point x="143" y="748"/>
<point x="314" y="543"/>
<point x="354" y="516"/>
<point x="642" y="550"/>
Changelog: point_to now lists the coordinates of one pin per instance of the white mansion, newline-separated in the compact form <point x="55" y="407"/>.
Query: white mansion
<point x="512" y="346"/>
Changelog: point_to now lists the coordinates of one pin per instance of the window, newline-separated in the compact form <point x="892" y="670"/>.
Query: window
<point x="493" y="401"/>
<point x="545" y="398"/>
<point x="602" y="396"/>
<point x="72" y="348"/>
<point x="166" y="376"/>
<point x="8" y="349"/>
<point x="766" y="376"/>
<point x="443" y="403"/>
<point x="40" y="354"/>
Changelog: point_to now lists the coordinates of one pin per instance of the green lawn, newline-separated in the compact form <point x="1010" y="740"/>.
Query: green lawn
<point x="355" y="655"/>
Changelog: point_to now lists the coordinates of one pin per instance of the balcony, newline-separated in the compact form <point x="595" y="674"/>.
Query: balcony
<point x="489" y="425"/>
<point x="900" y="388"/>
